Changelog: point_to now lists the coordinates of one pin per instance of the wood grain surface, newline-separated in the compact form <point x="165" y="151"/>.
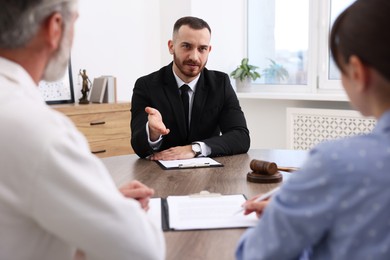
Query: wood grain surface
<point x="230" y="179"/>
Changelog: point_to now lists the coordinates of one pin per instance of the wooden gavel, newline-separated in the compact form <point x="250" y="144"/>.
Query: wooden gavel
<point x="268" y="168"/>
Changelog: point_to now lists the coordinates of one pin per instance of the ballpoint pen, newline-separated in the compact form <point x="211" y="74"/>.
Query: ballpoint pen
<point x="261" y="198"/>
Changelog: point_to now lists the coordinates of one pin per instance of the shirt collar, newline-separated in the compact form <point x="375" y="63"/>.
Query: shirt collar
<point x="15" y="73"/>
<point x="191" y="84"/>
<point x="18" y="76"/>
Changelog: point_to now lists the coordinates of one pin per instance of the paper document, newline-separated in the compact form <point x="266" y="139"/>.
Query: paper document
<point x="199" y="162"/>
<point x="189" y="213"/>
<point x="186" y="212"/>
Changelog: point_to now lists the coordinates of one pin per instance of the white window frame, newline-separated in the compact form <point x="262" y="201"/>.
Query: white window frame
<point x="325" y="84"/>
<point x="318" y="87"/>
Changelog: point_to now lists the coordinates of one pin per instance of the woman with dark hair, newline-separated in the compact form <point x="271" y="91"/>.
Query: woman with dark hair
<point x="337" y="205"/>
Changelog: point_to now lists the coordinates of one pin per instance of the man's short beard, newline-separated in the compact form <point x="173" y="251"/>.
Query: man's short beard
<point x="180" y="65"/>
<point x="56" y="67"/>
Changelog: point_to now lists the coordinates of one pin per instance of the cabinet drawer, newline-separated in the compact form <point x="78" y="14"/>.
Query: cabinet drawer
<point x="111" y="147"/>
<point x="103" y="126"/>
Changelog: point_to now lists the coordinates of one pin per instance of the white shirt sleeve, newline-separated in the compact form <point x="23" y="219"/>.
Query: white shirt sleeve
<point x="156" y="144"/>
<point x="204" y="148"/>
<point x="75" y="199"/>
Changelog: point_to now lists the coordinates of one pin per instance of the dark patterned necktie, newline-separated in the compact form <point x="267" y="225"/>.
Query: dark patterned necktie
<point x="186" y="102"/>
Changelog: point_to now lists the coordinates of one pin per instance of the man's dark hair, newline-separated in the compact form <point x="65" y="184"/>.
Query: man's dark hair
<point x="193" y="22"/>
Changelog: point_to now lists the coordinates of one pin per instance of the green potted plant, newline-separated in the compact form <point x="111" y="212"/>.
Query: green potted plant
<point x="275" y="73"/>
<point x="244" y="74"/>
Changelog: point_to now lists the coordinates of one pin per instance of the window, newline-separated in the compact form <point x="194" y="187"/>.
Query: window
<point x="336" y="7"/>
<point x="288" y="41"/>
<point x="278" y="39"/>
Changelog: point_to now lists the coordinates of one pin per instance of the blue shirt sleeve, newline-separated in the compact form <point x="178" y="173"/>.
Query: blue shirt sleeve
<point x="297" y="216"/>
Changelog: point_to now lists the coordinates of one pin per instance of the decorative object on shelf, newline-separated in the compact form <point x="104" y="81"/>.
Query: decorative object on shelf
<point x="103" y="90"/>
<point x="98" y="89"/>
<point x="60" y="91"/>
<point x="244" y="74"/>
<point x="275" y="73"/>
<point x="110" y="93"/>
<point x="85" y="87"/>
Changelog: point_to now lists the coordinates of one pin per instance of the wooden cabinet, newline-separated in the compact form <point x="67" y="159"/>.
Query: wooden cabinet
<point x="106" y="126"/>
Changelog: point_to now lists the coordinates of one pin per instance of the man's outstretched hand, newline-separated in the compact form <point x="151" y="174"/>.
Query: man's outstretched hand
<point x="156" y="125"/>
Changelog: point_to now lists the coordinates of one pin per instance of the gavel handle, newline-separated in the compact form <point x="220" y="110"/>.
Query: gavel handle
<point x="288" y="169"/>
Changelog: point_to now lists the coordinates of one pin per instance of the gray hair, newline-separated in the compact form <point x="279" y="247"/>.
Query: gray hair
<point x="21" y="19"/>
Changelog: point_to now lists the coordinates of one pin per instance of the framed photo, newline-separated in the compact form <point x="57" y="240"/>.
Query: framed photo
<point x="58" y="92"/>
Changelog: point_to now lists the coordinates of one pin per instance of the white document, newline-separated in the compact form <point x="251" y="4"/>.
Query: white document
<point x="198" y="162"/>
<point x="188" y="212"/>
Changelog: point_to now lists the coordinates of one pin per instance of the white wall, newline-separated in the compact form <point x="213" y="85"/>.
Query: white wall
<point x="128" y="39"/>
<point x="120" y="38"/>
<point x="227" y="21"/>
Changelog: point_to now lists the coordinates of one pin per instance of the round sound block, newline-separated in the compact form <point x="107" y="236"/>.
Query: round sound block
<point x="262" y="178"/>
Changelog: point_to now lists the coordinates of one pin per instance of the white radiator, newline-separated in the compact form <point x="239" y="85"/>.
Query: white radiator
<point x="307" y="127"/>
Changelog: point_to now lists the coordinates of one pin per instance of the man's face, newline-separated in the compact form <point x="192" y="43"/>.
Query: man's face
<point x="57" y="65"/>
<point x="190" y="49"/>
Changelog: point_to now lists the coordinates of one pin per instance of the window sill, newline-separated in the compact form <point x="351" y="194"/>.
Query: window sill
<point x="333" y="96"/>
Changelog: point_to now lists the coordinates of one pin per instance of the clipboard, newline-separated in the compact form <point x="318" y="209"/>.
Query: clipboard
<point x="198" y="162"/>
<point x="223" y="215"/>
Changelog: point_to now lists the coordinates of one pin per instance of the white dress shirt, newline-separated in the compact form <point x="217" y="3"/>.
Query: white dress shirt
<point x="55" y="196"/>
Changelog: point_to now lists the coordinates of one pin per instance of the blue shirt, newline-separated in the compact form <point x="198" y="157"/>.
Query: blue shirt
<point x="337" y="205"/>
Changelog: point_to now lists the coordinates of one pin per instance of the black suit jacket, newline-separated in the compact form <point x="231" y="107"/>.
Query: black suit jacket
<point x="216" y="119"/>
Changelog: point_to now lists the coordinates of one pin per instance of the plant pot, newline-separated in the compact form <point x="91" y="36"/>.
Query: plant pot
<point x="243" y="86"/>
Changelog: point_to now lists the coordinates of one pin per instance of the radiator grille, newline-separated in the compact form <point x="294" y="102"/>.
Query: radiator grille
<point x="307" y="127"/>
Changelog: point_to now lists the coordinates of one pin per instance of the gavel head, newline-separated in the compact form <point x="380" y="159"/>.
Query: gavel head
<point x="263" y="167"/>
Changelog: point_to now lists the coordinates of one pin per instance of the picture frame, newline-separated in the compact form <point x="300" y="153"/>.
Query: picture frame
<point x="58" y="92"/>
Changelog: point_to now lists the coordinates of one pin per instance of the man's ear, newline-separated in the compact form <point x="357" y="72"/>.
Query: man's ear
<point x="170" y="46"/>
<point x="359" y="72"/>
<point x="54" y="30"/>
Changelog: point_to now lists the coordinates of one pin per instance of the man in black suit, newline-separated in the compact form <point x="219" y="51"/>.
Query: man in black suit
<point x="205" y="119"/>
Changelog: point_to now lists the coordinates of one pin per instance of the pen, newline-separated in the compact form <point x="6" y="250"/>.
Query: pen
<point x="194" y="165"/>
<point x="261" y="198"/>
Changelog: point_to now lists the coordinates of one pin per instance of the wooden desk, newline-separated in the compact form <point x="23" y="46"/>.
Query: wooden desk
<point x="230" y="179"/>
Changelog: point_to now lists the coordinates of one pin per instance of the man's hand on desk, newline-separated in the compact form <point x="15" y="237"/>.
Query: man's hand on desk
<point x="156" y="125"/>
<point x="255" y="206"/>
<point x="138" y="191"/>
<point x="174" y="153"/>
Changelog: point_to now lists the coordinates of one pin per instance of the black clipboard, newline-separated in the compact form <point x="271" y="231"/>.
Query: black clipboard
<point x="165" y="225"/>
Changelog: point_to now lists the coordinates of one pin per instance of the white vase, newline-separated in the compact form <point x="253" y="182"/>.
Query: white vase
<point x="244" y="85"/>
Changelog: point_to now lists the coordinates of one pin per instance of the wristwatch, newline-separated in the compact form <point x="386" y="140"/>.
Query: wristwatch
<point x="196" y="149"/>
